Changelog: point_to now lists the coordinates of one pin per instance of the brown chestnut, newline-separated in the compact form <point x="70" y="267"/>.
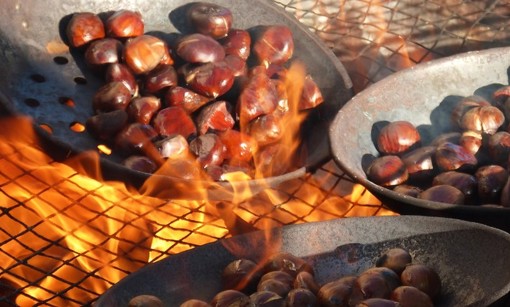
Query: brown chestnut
<point x="484" y="119"/>
<point x="491" y="180"/>
<point x="422" y="277"/>
<point x="209" y="149"/>
<point x="258" y="97"/>
<point x="240" y="274"/>
<point x="311" y="95"/>
<point x="465" y="182"/>
<point x="420" y="162"/>
<point x="185" y="98"/>
<point x="472" y="141"/>
<point x="266" y="299"/>
<point x="110" y="97"/>
<point x="337" y="292"/>
<point x="125" y="23"/>
<point x="450" y="157"/>
<point x="145" y="300"/>
<point x="443" y="193"/>
<point x="274" y="44"/>
<point x="237" y="42"/>
<point x="174" y="120"/>
<point x="266" y="129"/>
<point x="194" y="303"/>
<point x="408" y="190"/>
<point x="140" y="164"/>
<point x="143" y="108"/>
<point x="238" y="145"/>
<point x="210" y="79"/>
<point x="378" y="302"/>
<point x="408" y="296"/>
<point x="466" y="104"/>
<point x="305" y="279"/>
<point x="210" y="19"/>
<point x="83" y="28"/>
<point x="143" y="53"/>
<point x="105" y="126"/>
<point x="215" y="116"/>
<point x="199" y="48"/>
<point x="301" y="297"/>
<point x="274" y="285"/>
<point x="103" y="51"/>
<point x="230" y="297"/>
<point x="387" y="171"/>
<point x="121" y="73"/>
<point x="397" y="137"/>
<point x="376" y="282"/>
<point x="498" y="146"/>
<point x="135" y="138"/>
<point x="161" y="77"/>
<point x="173" y="147"/>
<point x="395" y="259"/>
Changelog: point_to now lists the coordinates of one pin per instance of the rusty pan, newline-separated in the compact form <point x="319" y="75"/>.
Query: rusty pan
<point x="424" y="95"/>
<point x="470" y="258"/>
<point x="40" y="74"/>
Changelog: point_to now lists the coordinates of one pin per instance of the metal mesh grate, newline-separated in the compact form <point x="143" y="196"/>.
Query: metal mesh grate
<point x="66" y="237"/>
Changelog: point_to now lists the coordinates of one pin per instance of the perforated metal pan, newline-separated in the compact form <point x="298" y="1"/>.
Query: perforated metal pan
<point x="470" y="258"/>
<point x="39" y="73"/>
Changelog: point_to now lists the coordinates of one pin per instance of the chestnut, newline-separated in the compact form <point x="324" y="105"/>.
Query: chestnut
<point x="173" y="147"/>
<point x="143" y="53"/>
<point x="105" y="126"/>
<point x="375" y="282"/>
<point x="273" y="45"/>
<point x="160" y="78"/>
<point x="135" y="138"/>
<point x="230" y="297"/>
<point x="199" y="48"/>
<point x="408" y="296"/>
<point x="237" y="42"/>
<point x="305" y="279"/>
<point x="215" y="116"/>
<point x="140" y="163"/>
<point x="337" y="292"/>
<point x="209" y="149"/>
<point x="141" y="109"/>
<point x="194" y="303"/>
<point x="450" y="157"/>
<point x="387" y="171"/>
<point x="491" y="180"/>
<point x="301" y="297"/>
<point x="395" y="259"/>
<point x="185" y="98"/>
<point x="240" y="274"/>
<point x="420" y="162"/>
<point x="465" y="104"/>
<point x="266" y="129"/>
<point x="238" y="66"/>
<point x="110" y="97"/>
<point x="498" y="147"/>
<point x="378" y="302"/>
<point x="83" y="28"/>
<point x="174" y="120"/>
<point x="484" y="119"/>
<point x="443" y="193"/>
<point x="288" y="263"/>
<point x="124" y="23"/>
<point x="311" y="95"/>
<point x="397" y="137"/>
<point x="121" y="73"/>
<point x="103" y="51"/>
<point x="257" y="97"/>
<point x="145" y="300"/>
<point x="266" y="299"/>
<point x="281" y="276"/>
<point x="408" y="190"/>
<point x="210" y="79"/>
<point x="423" y="277"/>
<point x="274" y="285"/>
<point x="210" y="19"/>
<point x="451" y="137"/>
<point x="465" y="182"/>
<point x="238" y="145"/>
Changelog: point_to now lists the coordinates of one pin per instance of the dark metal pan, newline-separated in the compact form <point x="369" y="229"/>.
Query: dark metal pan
<point x="470" y="258"/>
<point x="424" y="95"/>
<point x="39" y="73"/>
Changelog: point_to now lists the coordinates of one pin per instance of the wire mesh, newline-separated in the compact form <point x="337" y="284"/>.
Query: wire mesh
<point x="70" y="237"/>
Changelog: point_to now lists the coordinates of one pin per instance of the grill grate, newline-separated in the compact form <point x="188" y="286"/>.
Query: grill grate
<point x="70" y="237"/>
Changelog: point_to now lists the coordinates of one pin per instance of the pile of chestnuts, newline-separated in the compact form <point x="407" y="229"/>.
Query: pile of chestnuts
<point x="289" y="281"/>
<point x="468" y="166"/>
<point x="214" y="98"/>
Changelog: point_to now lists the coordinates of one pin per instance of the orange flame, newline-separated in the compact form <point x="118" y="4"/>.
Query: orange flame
<point x="68" y="235"/>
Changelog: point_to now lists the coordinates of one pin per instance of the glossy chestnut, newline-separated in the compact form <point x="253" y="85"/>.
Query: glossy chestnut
<point x="125" y="23"/>
<point x="397" y="137"/>
<point x="83" y="28"/>
<point x="210" y="19"/>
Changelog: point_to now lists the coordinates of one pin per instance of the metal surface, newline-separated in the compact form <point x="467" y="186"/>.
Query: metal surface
<point x="340" y="248"/>
<point x="44" y="75"/>
<point x="424" y="95"/>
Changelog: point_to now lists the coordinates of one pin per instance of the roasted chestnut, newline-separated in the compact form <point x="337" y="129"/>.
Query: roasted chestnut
<point x="145" y="300"/>
<point x="274" y="45"/>
<point x="337" y="292"/>
<point x="397" y="137"/>
<point x="210" y="19"/>
<point x="301" y="297"/>
<point x="199" y="48"/>
<point x="450" y="157"/>
<point x="387" y="171"/>
<point x="125" y="23"/>
<point x="422" y="277"/>
<point x="395" y="259"/>
<point x="266" y="299"/>
<point x="83" y="28"/>
<point x="230" y="297"/>
<point x="408" y="296"/>
<point x="143" y="53"/>
<point x="240" y="274"/>
<point x="443" y="193"/>
<point x="195" y="303"/>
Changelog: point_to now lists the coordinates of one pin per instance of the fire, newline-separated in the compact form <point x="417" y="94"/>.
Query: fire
<point x="67" y="235"/>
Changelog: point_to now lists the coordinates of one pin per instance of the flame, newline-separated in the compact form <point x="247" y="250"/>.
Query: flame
<point x="68" y="235"/>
